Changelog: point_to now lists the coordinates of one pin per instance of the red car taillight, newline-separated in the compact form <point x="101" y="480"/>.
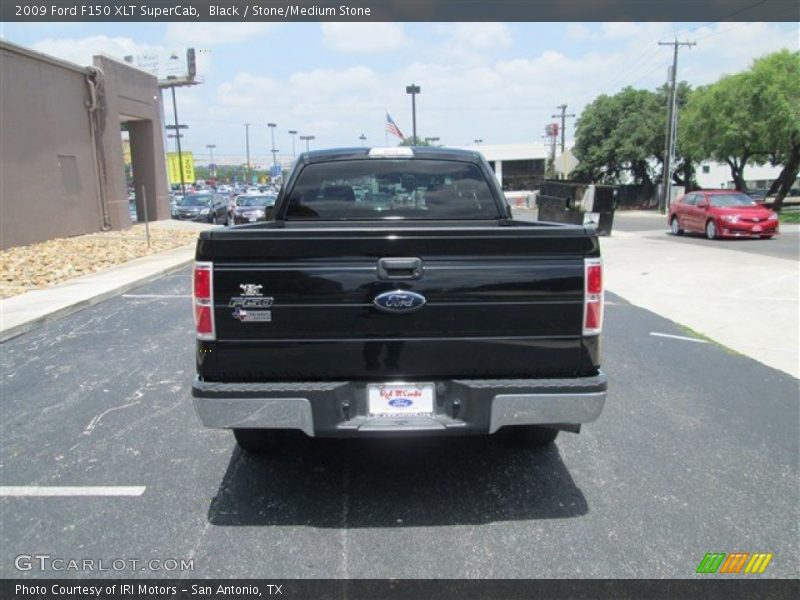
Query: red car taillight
<point x="203" y="300"/>
<point x="593" y="296"/>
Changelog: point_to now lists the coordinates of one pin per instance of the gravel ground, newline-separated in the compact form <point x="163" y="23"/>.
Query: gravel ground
<point x="26" y="268"/>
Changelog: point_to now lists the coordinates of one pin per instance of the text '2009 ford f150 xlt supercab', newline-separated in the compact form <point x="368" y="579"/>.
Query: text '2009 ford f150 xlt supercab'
<point x="392" y="293"/>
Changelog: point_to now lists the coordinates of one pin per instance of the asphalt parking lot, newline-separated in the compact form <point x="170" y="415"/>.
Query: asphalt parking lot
<point x="696" y="452"/>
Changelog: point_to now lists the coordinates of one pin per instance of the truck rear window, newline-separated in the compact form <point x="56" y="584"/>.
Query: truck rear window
<point x="386" y="188"/>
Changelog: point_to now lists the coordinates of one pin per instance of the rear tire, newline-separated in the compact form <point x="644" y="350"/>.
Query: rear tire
<point x="711" y="229"/>
<point x="532" y="436"/>
<point x="258" y="441"/>
<point x="675" y="226"/>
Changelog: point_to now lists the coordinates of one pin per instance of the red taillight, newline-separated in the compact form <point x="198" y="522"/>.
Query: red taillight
<point x="202" y="282"/>
<point x="593" y="296"/>
<point x="202" y="300"/>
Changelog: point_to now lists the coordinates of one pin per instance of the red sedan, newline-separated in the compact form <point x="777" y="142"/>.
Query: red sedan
<point x="722" y="213"/>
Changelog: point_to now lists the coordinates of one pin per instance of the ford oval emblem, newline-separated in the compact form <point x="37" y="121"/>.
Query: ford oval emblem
<point x="399" y="301"/>
<point x="401" y="402"/>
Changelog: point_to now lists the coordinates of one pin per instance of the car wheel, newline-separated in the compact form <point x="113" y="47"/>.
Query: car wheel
<point x="532" y="435"/>
<point x="711" y="229"/>
<point x="675" y="226"/>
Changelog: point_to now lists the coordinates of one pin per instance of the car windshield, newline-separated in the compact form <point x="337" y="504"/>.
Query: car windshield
<point x="731" y="200"/>
<point x="195" y="200"/>
<point x="399" y="189"/>
<point x="254" y="201"/>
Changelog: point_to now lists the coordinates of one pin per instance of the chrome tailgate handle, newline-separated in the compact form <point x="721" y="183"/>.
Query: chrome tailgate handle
<point x="400" y="268"/>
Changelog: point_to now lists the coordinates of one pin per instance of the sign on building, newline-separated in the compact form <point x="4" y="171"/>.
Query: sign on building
<point x="174" y="167"/>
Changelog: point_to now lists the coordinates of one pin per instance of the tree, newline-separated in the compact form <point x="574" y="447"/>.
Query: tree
<point x="775" y="83"/>
<point x="718" y="124"/>
<point x="620" y="135"/>
<point x="750" y="117"/>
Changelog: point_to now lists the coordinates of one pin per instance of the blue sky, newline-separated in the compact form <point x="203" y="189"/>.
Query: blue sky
<point x="494" y="81"/>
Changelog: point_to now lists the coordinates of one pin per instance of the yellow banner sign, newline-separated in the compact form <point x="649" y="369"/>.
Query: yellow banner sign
<point x="174" y="167"/>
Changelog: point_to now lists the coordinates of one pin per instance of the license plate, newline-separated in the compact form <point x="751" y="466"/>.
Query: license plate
<point x="756" y="228"/>
<point x="400" y="399"/>
<point x="252" y="219"/>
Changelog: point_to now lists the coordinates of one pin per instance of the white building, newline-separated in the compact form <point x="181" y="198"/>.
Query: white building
<point x="712" y="175"/>
<point x="517" y="166"/>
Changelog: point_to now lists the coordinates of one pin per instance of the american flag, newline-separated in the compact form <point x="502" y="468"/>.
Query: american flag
<point x="392" y="128"/>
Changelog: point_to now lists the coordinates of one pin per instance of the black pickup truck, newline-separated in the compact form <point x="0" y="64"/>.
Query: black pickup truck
<point x="392" y="293"/>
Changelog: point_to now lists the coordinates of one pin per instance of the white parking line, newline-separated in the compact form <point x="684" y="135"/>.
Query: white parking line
<point x="678" y="337"/>
<point x="156" y="296"/>
<point x="20" y="491"/>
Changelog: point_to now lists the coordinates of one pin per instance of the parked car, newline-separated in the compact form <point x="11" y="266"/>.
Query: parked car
<point x="208" y="208"/>
<point x="250" y="209"/>
<point x="377" y="319"/>
<point x="720" y="214"/>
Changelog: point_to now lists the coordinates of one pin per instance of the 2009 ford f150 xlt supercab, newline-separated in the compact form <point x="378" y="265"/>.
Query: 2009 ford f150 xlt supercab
<point x="392" y="293"/>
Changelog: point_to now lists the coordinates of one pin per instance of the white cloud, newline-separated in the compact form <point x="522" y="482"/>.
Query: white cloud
<point x="248" y="90"/>
<point x="81" y="50"/>
<point x="577" y="32"/>
<point x="366" y="38"/>
<point x="200" y="35"/>
<point x="481" y="35"/>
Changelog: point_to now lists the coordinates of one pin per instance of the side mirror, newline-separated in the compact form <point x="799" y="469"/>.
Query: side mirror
<point x="702" y="204"/>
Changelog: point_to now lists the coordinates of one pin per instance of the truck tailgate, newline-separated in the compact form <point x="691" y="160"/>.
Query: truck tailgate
<point x="501" y="301"/>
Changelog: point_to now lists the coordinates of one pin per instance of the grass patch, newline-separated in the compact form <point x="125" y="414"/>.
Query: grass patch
<point x="789" y="216"/>
<point x="696" y="334"/>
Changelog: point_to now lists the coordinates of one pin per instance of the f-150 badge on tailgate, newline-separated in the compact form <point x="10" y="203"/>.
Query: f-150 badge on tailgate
<point x="399" y="301"/>
<point x="251" y="297"/>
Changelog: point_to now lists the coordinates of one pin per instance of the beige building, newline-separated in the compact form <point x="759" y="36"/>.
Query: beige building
<point x="61" y="157"/>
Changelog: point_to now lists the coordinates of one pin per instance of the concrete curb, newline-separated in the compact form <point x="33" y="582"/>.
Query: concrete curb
<point x="20" y="314"/>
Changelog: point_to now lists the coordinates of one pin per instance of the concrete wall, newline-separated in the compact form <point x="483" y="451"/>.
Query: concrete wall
<point x="132" y="96"/>
<point x="48" y="177"/>
<point x="54" y="180"/>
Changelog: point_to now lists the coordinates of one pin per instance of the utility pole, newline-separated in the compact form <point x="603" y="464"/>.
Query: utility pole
<point x="672" y="125"/>
<point x="247" y="146"/>
<point x="563" y="116"/>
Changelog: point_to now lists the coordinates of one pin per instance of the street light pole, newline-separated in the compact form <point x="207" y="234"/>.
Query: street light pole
<point x="212" y="170"/>
<point x="431" y="139"/>
<point x="362" y="137"/>
<point x="272" y="127"/>
<point x="478" y="142"/>
<point x="247" y="146"/>
<point x="307" y="138"/>
<point x="413" y="90"/>
<point x="293" y="133"/>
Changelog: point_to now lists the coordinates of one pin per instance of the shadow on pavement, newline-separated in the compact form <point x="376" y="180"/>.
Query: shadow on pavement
<point x="396" y="483"/>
